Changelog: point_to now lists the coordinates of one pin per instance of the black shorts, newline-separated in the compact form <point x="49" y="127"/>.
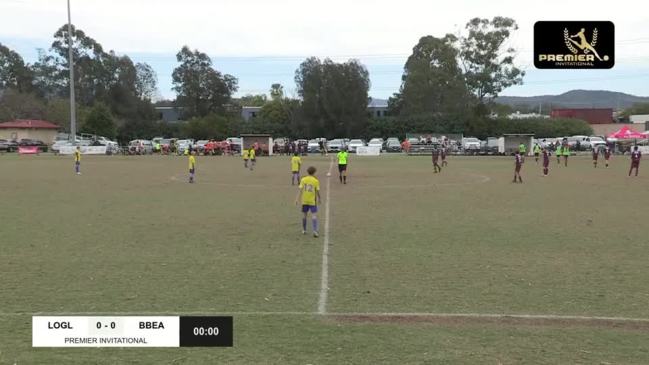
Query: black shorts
<point x="342" y="168"/>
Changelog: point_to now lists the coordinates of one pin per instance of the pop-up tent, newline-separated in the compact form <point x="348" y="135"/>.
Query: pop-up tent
<point x="627" y="133"/>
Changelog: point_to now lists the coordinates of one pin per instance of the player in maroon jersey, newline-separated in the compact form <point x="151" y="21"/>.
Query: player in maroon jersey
<point x="546" y="161"/>
<point x="635" y="160"/>
<point x="435" y="160"/>
<point x="595" y="156"/>
<point x="607" y="155"/>
<point x="517" y="167"/>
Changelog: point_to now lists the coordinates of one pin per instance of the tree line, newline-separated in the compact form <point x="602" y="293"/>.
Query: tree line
<point x="448" y="86"/>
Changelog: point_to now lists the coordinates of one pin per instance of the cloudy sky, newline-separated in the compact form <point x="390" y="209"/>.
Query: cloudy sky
<point x="262" y="42"/>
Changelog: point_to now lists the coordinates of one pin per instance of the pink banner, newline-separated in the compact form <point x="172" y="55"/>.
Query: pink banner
<point x="28" y="150"/>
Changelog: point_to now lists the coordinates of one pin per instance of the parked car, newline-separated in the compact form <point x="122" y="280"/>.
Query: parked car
<point x="200" y="145"/>
<point x="490" y="146"/>
<point x="184" y="144"/>
<point x="355" y="143"/>
<point x="336" y="145"/>
<point x="235" y="144"/>
<point x="8" y="145"/>
<point x="313" y="146"/>
<point x="140" y="147"/>
<point x="393" y="145"/>
<point x="471" y="145"/>
<point x="376" y="142"/>
<point x="596" y="142"/>
<point x="26" y="142"/>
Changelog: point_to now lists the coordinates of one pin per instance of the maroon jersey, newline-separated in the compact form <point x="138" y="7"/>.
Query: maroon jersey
<point x="435" y="155"/>
<point x="607" y="153"/>
<point x="518" y="160"/>
<point x="635" y="157"/>
<point x="595" y="154"/>
<point x="443" y="153"/>
<point x="546" y="158"/>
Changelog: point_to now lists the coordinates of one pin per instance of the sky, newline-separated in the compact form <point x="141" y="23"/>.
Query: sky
<point x="262" y="42"/>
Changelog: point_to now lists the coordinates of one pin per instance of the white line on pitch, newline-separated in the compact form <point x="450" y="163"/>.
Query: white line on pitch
<point x="324" y="278"/>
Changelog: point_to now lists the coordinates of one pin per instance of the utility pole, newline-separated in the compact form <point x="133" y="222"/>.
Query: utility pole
<point x="73" y="111"/>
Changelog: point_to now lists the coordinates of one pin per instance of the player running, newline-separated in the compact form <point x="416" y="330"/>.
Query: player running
<point x="342" y="165"/>
<point x="635" y="160"/>
<point x="77" y="160"/>
<point x="522" y="148"/>
<point x="607" y="155"/>
<point x="436" y="166"/>
<point x="595" y="156"/>
<point x="546" y="162"/>
<point x="558" y="151"/>
<point x="246" y="157"/>
<point x="192" y="166"/>
<point x="296" y="164"/>
<point x="537" y="152"/>
<point x="517" y="167"/>
<point x="253" y="158"/>
<point x="309" y="190"/>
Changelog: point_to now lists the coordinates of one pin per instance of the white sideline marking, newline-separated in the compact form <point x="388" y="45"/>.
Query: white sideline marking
<point x="346" y="314"/>
<point x="324" y="278"/>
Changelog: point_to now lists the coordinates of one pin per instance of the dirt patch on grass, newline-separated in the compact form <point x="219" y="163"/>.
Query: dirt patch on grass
<point x="460" y="320"/>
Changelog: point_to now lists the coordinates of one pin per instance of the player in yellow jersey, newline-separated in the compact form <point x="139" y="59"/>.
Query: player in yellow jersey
<point x="253" y="158"/>
<point x="77" y="160"/>
<point x="246" y="157"/>
<point x="192" y="167"/>
<point x="296" y="164"/>
<point x="310" y="194"/>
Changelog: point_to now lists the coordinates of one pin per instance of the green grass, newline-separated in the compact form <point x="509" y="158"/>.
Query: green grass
<point x="130" y="235"/>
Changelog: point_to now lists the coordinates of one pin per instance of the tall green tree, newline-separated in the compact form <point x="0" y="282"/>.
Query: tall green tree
<point x="100" y="122"/>
<point x="334" y="97"/>
<point x="253" y="100"/>
<point x="432" y="80"/>
<point x="487" y="61"/>
<point x="201" y="89"/>
<point x="146" y="81"/>
<point x="276" y="92"/>
<point x="14" y="73"/>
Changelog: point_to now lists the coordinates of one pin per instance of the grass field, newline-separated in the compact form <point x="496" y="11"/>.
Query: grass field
<point x="406" y="247"/>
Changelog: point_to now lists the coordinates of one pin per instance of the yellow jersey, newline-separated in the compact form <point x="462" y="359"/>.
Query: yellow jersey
<point x="246" y="154"/>
<point x="342" y="158"/>
<point x="309" y="186"/>
<point x="77" y="156"/>
<point x="252" y="153"/>
<point x="296" y="162"/>
<point x="192" y="162"/>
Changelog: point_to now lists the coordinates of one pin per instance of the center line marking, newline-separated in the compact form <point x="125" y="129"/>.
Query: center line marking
<point x="324" y="278"/>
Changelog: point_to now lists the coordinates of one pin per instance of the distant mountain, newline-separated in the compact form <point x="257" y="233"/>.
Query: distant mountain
<point x="575" y="99"/>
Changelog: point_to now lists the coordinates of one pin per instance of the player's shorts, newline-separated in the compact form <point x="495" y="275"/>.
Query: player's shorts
<point x="191" y="171"/>
<point x="635" y="164"/>
<point x="342" y="168"/>
<point x="518" y="168"/>
<point x="77" y="163"/>
<point x="253" y="160"/>
<point x="595" y="157"/>
<point x="295" y="172"/>
<point x="245" y="159"/>
<point x="536" y="154"/>
<point x="607" y="157"/>
<point x="309" y="208"/>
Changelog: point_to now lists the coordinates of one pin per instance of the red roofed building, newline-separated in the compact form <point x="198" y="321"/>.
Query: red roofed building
<point x="29" y="129"/>
<point x="591" y="115"/>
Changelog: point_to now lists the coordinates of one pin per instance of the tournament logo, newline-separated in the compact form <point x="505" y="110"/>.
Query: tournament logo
<point x="574" y="45"/>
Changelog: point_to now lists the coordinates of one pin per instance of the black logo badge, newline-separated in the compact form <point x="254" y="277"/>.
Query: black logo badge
<point x="574" y="45"/>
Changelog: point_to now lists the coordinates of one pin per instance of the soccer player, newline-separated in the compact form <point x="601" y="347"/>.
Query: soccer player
<point x="296" y="164"/>
<point x="595" y="156"/>
<point x="342" y="166"/>
<point x="192" y="166"/>
<point x="436" y="166"/>
<point x="309" y="190"/>
<point x="559" y="152"/>
<point x="635" y="160"/>
<point x="546" y="161"/>
<point x="253" y="158"/>
<point x="443" y="155"/>
<point x="522" y="148"/>
<point x="607" y="155"/>
<point x="246" y="156"/>
<point x="517" y="167"/>
<point x="537" y="152"/>
<point x="77" y="160"/>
